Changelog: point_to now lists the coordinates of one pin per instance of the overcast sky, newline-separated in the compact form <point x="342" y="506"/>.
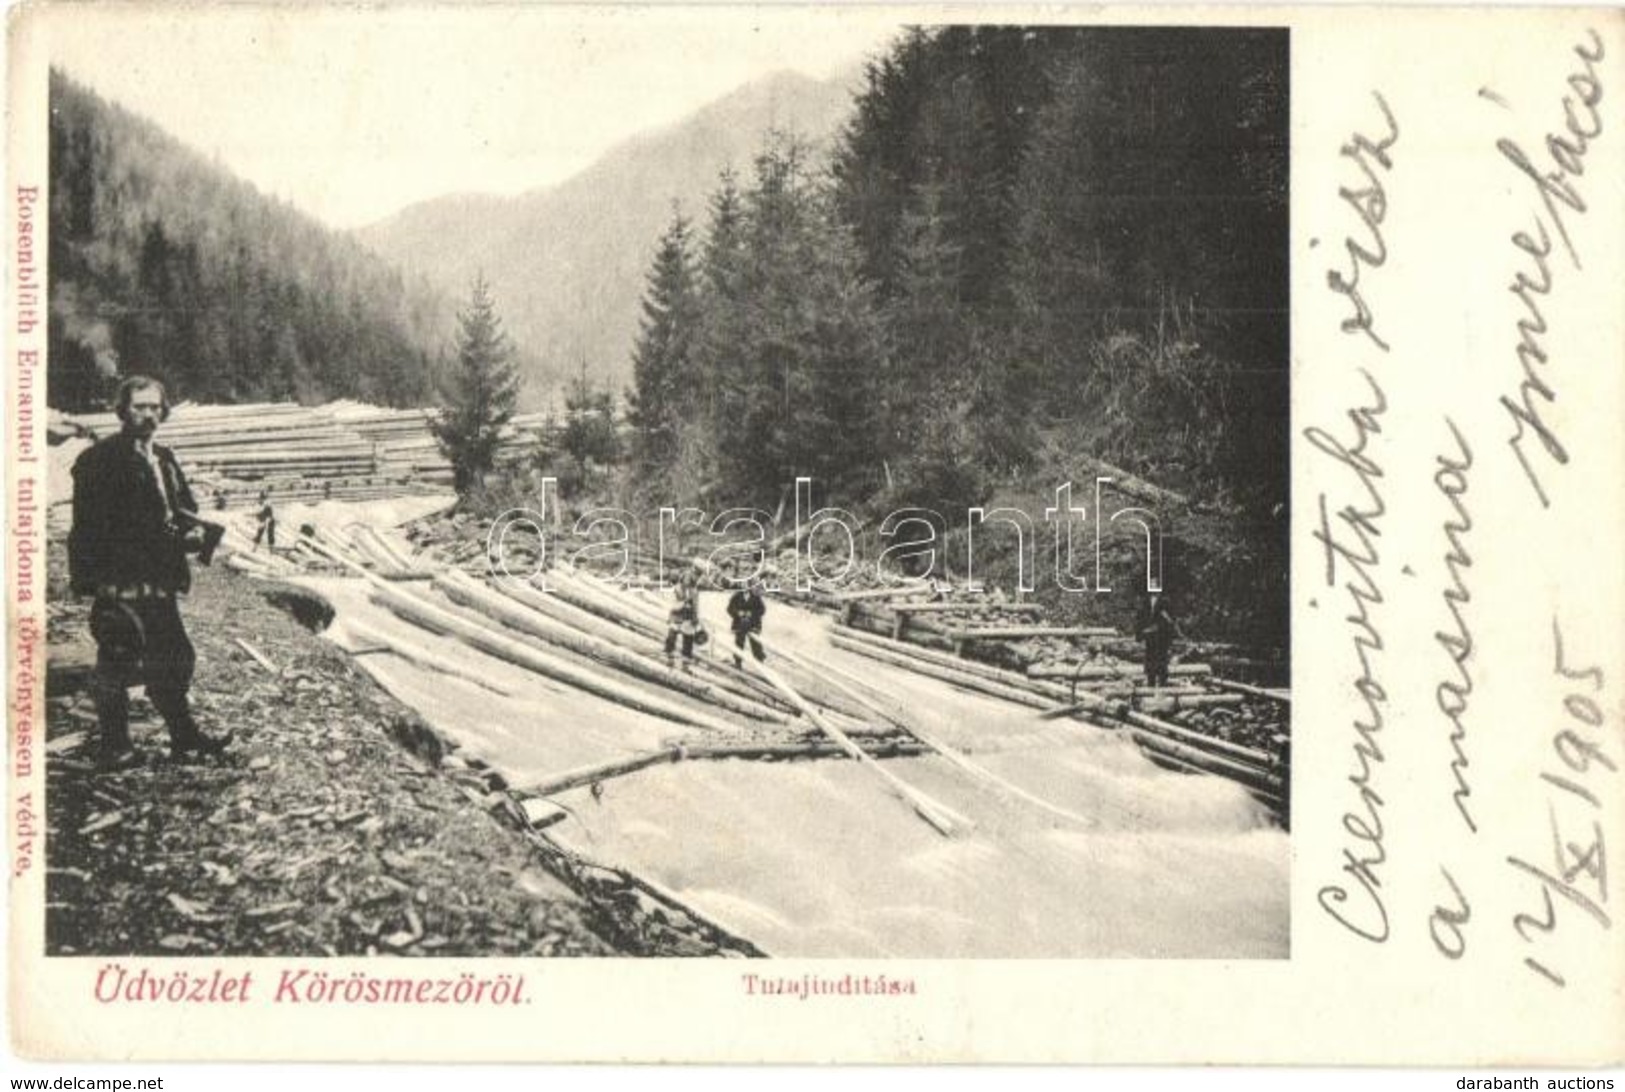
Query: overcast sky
<point x="353" y="114"/>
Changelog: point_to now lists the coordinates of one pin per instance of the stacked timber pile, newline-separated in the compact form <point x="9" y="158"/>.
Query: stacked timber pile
<point x="254" y="441"/>
<point x="403" y="439"/>
<point x="522" y="436"/>
<point x="343" y="450"/>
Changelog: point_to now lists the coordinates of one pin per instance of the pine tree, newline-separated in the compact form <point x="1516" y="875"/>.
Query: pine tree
<point x="794" y="340"/>
<point x="664" y="381"/>
<point x="484" y="391"/>
<point x="589" y="430"/>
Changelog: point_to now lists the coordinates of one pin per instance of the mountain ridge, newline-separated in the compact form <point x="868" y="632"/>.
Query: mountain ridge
<point x="566" y="261"/>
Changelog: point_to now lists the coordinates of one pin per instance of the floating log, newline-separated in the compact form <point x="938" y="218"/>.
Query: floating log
<point x="483" y="637"/>
<point x="1282" y="696"/>
<point x="578" y="593"/>
<point x="1245" y="755"/>
<point x="961" y="608"/>
<point x="958" y="666"/>
<point x="681" y="752"/>
<point x="414" y="653"/>
<point x="901" y="592"/>
<point x="487" y="640"/>
<point x="636" y="610"/>
<point x="1015" y="633"/>
<point x="368" y="553"/>
<point x="256" y="655"/>
<point x="587" y="775"/>
<point x="1206" y="762"/>
<point x="962" y="679"/>
<point x="1173" y="703"/>
<point x="889" y="748"/>
<point x="567" y="613"/>
<point x="382" y="546"/>
<point x="926" y="663"/>
<point x="636" y="629"/>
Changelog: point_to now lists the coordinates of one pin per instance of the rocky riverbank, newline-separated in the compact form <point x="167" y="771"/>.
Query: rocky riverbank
<point x="339" y="822"/>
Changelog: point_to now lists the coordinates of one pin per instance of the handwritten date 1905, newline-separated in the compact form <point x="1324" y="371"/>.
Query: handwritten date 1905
<point x="1577" y="871"/>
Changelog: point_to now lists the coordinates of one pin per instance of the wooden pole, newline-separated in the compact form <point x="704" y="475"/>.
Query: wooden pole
<point x="257" y="656"/>
<point x="554" y="784"/>
<point x="910" y="724"/>
<point x="1016" y="633"/>
<point x="1246" y="755"/>
<point x="941" y="817"/>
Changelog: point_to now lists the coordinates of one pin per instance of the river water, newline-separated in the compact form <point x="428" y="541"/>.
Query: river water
<point x="822" y="859"/>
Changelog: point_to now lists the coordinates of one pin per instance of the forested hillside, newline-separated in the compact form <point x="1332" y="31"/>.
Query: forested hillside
<point x="1038" y="249"/>
<point x="1030" y="236"/>
<point x="164" y="263"/>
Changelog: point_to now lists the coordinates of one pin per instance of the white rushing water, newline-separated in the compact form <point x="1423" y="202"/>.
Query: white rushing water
<point x="821" y="859"/>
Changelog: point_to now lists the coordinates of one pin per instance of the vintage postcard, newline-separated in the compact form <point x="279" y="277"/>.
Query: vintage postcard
<point x="802" y="534"/>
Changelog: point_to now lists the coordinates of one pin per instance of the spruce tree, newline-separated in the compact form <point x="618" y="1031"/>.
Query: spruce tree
<point x="663" y="373"/>
<point x="484" y="390"/>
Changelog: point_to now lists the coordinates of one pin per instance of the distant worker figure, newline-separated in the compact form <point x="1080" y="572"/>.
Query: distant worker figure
<point x="1157" y="629"/>
<point x="684" y="621"/>
<point x="745" y="608"/>
<point x="134" y="524"/>
<point x="267" y="520"/>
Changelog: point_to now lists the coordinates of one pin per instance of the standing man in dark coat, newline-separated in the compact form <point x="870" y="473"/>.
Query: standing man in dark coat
<point x="134" y="522"/>
<point x="745" y="608"/>
<point x="1157" y="629"/>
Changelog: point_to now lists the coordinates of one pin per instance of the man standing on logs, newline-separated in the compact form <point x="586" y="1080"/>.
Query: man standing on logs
<point x="267" y="521"/>
<point x="684" y="621"/>
<point x="134" y="522"/>
<point x="745" y="608"/>
<point x="1157" y="629"/>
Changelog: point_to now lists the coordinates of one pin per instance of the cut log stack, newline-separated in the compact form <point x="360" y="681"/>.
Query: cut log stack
<point x="403" y="439"/>
<point x="341" y="450"/>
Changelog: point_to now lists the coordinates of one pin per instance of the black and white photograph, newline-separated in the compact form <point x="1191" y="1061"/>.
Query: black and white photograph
<point x="843" y="518"/>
